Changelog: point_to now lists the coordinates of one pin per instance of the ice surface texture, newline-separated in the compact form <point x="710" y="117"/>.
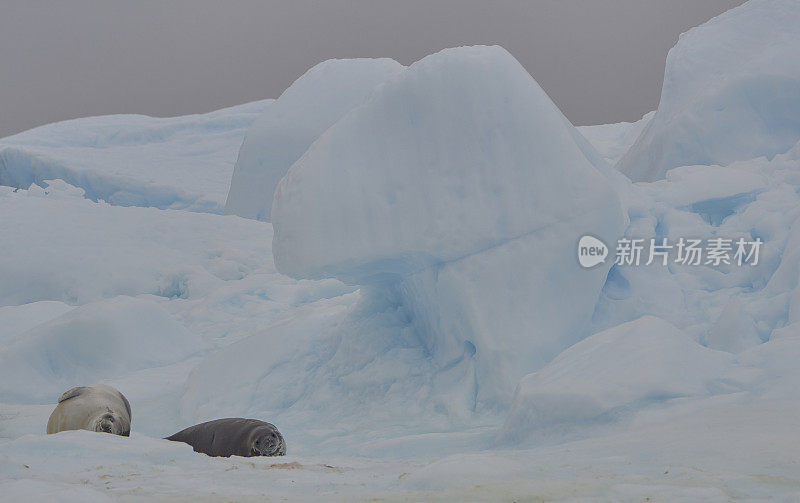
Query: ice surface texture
<point x="731" y="92"/>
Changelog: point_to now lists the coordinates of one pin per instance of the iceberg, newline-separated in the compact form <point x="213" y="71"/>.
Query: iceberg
<point x="731" y="92"/>
<point x="461" y="184"/>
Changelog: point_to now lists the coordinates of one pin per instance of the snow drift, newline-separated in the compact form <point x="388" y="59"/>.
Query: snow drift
<point x="460" y="181"/>
<point x="76" y="251"/>
<point x="592" y="382"/>
<point x="289" y="125"/>
<point x="88" y="344"/>
<point x="731" y="92"/>
<point x="134" y="160"/>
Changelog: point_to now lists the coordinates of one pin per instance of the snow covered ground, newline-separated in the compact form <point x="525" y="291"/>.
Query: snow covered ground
<point x="427" y="334"/>
<point x="135" y="160"/>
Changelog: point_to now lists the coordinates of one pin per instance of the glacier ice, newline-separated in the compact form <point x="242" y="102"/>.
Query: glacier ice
<point x="731" y="92"/>
<point x="285" y="130"/>
<point x="474" y="211"/>
<point x="414" y="178"/>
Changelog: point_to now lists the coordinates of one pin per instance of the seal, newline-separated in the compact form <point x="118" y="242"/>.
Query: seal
<point x="233" y="437"/>
<point x="95" y="408"/>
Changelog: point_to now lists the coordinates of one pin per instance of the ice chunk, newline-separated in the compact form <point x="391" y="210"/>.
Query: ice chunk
<point x="731" y="92"/>
<point x="612" y="372"/>
<point x="460" y="181"/>
<point x="460" y="153"/>
<point x="286" y="129"/>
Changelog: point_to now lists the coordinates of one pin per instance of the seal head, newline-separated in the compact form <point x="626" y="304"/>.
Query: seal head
<point x="268" y="442"/>
<point x="109" y="422"/>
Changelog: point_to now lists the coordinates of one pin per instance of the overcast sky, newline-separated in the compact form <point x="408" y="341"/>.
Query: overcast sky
<point x="600" y="60"/>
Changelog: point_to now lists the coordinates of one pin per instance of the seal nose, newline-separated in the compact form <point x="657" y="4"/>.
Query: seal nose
<point x="106" y="424"/>
<point x="267" y="445"/>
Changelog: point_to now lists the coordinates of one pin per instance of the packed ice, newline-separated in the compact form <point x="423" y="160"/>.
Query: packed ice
<point x="396" y="285"/>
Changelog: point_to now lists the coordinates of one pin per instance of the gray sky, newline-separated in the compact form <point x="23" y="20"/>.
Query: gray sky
<point x="600" y="60"/>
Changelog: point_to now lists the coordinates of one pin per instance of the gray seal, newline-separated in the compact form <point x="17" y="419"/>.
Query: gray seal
<point x="233" y="437"/>
<point x="95" y="408"/>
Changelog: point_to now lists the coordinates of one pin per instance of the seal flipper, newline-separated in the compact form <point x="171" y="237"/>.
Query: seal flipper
<point x="78" y="391"/>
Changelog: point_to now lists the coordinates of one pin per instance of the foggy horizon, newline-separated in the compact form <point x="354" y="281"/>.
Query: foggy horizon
<point x="600" y="61"/>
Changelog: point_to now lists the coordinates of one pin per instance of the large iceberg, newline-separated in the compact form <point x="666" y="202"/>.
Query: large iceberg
<point x="462" y="185"/>
<point x="289" y="125"/>
<point x="731" y="92"/>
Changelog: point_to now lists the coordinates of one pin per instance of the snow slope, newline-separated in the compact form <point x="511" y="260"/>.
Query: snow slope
<point x="135" y="160"/>
<point x="75" y="251"/>
<point x="579" y="388"/>
<point x="93" y="342"/>
<point x="731" y="92"/>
